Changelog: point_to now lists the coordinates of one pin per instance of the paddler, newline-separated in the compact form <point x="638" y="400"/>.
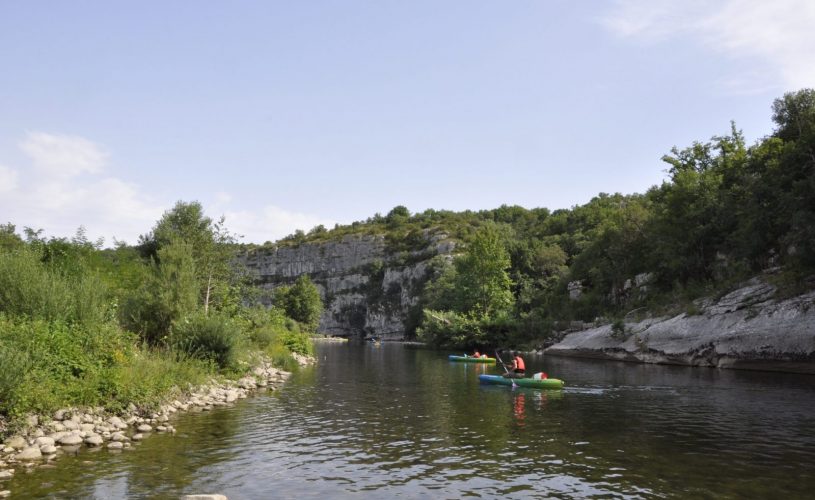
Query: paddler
<point x="517" y="367"/>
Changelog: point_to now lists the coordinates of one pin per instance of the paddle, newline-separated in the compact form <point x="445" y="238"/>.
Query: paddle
<point x="514" y="385"/>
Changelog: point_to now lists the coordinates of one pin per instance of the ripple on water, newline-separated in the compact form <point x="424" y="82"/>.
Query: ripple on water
<point x="431" y="431"/>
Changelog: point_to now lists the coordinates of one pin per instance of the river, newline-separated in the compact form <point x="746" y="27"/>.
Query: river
<point x="391" y="420"/>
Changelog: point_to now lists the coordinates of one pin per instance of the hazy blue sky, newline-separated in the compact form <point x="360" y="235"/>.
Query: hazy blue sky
<point x="283" y="115"/>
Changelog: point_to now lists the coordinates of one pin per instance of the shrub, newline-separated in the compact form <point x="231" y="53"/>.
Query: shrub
<point x="28" y="287"/>
<point x="618" y="330"/>
<point x="210" y="337"/>
<point x="15" y="364"/>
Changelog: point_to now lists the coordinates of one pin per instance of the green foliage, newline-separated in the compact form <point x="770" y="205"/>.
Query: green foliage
<point x="468" y="330"/>
<point x="271" y="331"/>
<point x="301" y="301"/>
<point x="210" y="337"/>
<point x="451" y="329"/>
<point x="726" y="212"/>
<point x="618" y="330"/>
<point x="166" y="297"/>
<point x="9" y="240"/>
<point x="15" y="364"/>
<point x="481" y="274"/>
<point x="30" y="287"/>
<point x="213" y="250"/>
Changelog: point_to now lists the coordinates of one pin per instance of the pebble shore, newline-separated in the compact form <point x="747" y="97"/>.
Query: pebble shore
<point x="46" y="438"/>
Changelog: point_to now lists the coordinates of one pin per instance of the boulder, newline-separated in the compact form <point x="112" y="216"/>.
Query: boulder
<point x="44" y="440"/>
<point x="137" y="437"/>
<point x="70" y="439"/>
<point x="16" y="442"/>
<point x="115" y="445"/>
<point x="48" y="449"/>
<point x="30" y="453"/>
<point x="144" y="428"/>
<point x="6" y="474"/>
<point x="94" y="440"/>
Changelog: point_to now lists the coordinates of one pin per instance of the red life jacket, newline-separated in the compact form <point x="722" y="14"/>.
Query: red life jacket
<point x="519" y="364"/>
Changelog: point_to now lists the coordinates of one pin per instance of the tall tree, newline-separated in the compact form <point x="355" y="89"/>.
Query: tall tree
<point x="481" y="273"/>
<point x="212" y="246"/>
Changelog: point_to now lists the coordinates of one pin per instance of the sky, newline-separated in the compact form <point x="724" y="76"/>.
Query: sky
<point x="284" y="115"/>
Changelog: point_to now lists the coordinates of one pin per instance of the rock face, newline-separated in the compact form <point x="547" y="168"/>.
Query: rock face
<point x="369" y="287"/>
<point x="744" y="329"/>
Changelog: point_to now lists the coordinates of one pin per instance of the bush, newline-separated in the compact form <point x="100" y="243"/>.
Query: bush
<point x="210" y="337"/>
<point x="450" y="329"/>
<point x="618" y="330"/>
<point x="28" y="287"/>
<point x="15" y="365"/>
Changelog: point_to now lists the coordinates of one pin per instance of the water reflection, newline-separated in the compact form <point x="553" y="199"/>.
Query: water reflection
<point x="392" y="421"/>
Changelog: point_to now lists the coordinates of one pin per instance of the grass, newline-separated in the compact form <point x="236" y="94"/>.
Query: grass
<point x="62" y="346"/>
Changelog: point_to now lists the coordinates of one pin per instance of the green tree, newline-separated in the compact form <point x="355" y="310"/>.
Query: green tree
<point x="169" y="294"/>
<point x="213" y="248"/>
<point x="481" y="274"/>
<point x="301" y="301"/>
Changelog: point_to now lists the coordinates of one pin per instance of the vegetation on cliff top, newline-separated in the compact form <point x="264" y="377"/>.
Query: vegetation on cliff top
<point x="726" y="211"/>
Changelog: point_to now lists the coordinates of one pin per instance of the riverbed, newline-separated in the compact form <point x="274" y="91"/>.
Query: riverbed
<point x="378" y="421"/>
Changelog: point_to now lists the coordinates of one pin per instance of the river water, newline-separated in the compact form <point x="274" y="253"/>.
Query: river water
<point x="393" y="421"/>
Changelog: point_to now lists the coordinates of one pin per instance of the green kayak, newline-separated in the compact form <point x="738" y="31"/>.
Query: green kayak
<point x="470" y="359"/>
<point x="546" y="383"/>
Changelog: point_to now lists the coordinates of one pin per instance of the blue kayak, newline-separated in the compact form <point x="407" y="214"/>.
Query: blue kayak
<point x="545" y="383"/>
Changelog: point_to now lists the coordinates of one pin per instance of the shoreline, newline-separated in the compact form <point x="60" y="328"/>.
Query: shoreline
<point x="746" y="329"/>
<point x="45" y="438"/>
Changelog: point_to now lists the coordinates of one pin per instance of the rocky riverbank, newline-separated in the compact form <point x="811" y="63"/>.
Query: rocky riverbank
<point x="746" y="329"/>
<point x="46" y="438"/>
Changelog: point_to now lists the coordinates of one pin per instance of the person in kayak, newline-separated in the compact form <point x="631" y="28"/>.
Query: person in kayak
<point x="476" y="354"/>
<point x="518" y="367"/>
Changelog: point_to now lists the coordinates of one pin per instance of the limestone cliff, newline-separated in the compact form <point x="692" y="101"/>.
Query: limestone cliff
<point x="369" y="286"/>
<point x="744" y="329"/>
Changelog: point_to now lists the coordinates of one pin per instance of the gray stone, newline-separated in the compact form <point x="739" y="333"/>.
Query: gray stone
<point x="48" y="449"/>
<point x="115" y="445"/>
<point x="137" y="437"/>
<point x="56" y="426"/>
<point x="744" y="329"/>
<point x="70" y="439"/>
<point x="144" y="428"/>
<point x="16" y="442"/>
<point x="94" y="440"/>
<point x="30" y="453"/>
<point x="6" y="474"/>
<point x="118" y="436"/>
<point x="70" y="425"/>
<point x="204" y="497"/>
<point x="117" y="423"/>
<point x="5" y="494"/>
<point x="44" y="440"/>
